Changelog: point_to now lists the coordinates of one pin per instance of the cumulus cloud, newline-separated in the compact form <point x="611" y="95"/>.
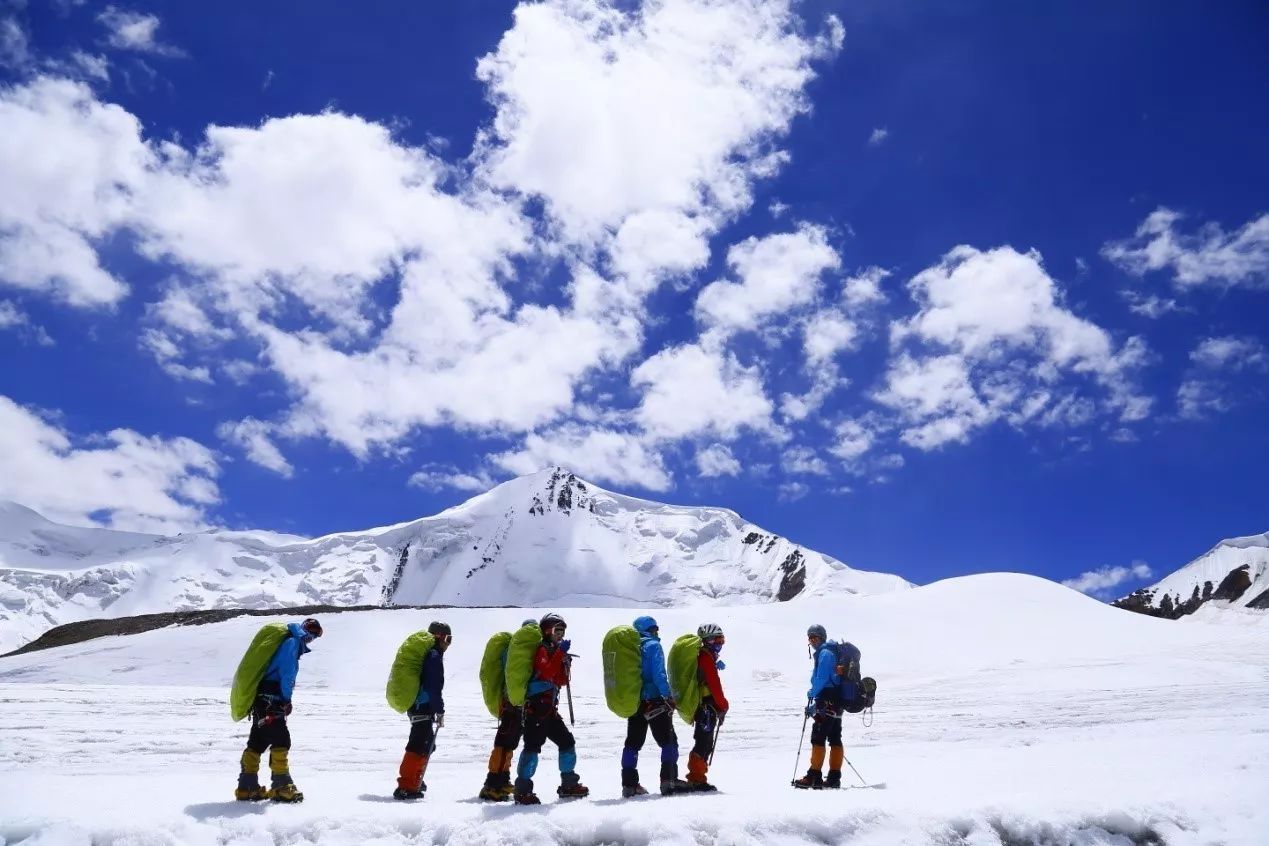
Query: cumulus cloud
<point x="1230" y="353"/>
<point x="15" y="50"/>
<point x="691" y="390"/>
<point x="438" y="477"/>
<point x="878" y="137"/>
<point x="1209" y="256"/>
<point x="121" y="479"/>
<point x="254" y="437"/>
<point x="864" y="288"/>
<point x="16" y="320"/>
<point x="775" y="273"/>
<point x="991" y="340"/>
<point x="128" y="30"/>
<point x="167" y="354"/>
<point x="604" y="455"/>
<point x="1102" y="581"/>
<point x="717" y="460"/>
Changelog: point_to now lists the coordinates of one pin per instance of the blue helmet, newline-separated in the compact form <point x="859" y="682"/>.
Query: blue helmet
<point x="646" y="626"/>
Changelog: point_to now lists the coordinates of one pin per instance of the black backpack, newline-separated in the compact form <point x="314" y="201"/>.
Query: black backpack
<point x="857" y="693"/>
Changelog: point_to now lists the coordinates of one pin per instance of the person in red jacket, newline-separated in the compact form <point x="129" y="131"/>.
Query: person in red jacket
<point x="713" y="705"/>
<point x="542" y="720"/>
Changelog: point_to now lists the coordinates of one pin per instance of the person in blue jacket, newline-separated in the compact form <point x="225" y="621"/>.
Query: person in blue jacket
<point x="426" y="715"/>
<point x="656" y="712"/>
<point x="268" y="719"/>
<point x="824" y="705"/>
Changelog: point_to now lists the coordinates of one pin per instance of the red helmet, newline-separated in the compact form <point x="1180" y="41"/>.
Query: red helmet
<point x="312" y="627"/>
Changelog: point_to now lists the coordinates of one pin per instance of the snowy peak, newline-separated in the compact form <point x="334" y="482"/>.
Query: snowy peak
<point x="1232" y="574"/>
<point x="549" y="538"/>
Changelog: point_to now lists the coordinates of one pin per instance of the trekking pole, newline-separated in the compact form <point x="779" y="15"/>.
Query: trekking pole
<point x="714" y="745"/>
<point x="798" y="759"/>
<point x="432" y="752"/>
<point x="569" y="687"/>
<point x="881" y="785"/>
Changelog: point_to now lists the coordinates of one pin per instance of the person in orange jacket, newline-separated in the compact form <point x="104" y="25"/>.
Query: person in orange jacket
<point x="712" y="708"/>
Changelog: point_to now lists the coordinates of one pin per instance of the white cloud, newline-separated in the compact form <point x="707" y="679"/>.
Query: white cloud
<point x="864" y="288"/>
<point x="1209" y="256"/>
<point x="1230" y="353"/>
<point x="1149" y="305"/>
<point x="1101" y="581"/>
<point x="691" y="390"/>
<point x="253" y="436"/>
<point x="121" y="479"/>
<point x="803" y="460"/>
<point x="665" y="107"/>
<point x="777" y="209"/>
<point x="1003" y="341"/>
<point x="15" y="51"/>
<point x="776" y="273"/>
<point x="127" y="30"/>
<point x="15" y="319"/>
<point x="827" y="333"/>
<point x="604" y="455"/>
<point x="166" y="352"/>
<point x="438" y="477"/>
<point x="878" y="137"/>
<point x="1198" y="398"/>
<point x="179" y="310"/>
<point x="70" y="166"/>
<point x="792" y="491"/>
<point x="717" y="460"/>
<point x="851" y="440"/>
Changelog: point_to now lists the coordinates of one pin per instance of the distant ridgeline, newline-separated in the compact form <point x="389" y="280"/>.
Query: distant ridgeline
<point x="1233" y="574"/>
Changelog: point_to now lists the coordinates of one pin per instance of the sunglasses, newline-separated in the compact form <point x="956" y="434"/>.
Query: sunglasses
<point x="560" y="629"/>
<point x="445" y="638"/>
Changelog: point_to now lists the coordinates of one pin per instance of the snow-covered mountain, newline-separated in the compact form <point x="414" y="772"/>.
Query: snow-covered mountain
<point x="547" y="538"/>
<point x="1234" y="573"/>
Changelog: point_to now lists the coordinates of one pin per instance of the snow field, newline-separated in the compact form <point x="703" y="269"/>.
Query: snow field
<point x="1010" y="711"/>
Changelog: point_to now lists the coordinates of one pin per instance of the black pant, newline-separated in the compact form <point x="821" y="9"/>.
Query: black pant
<point x="422" y="736"/>
<point x="268" y="721"/>
<point x="828" y="723"/>
<point x="662" y="726"/>
<point x="703" y="730"/>
<point x="542" y="721"/>
<point x="510" y="727"/>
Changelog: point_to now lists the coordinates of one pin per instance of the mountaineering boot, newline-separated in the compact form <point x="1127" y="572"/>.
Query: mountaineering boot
<point x="571" y="787"/>
<point x="813" y="780"/>
<point x="283" y="789"/>
<point x="498" y="786"/>
<point x="410" y="777"/>
<point x="249" y="789"/>
<point x="835" y="756"/>
<point x="494" y="794"/>
<point x="670" y="781"/>
<point x="629" y="790"/>
<point x="696" y="769"/>
<point x="524" y="794"/>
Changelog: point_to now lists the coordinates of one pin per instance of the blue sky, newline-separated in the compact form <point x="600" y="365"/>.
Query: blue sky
<point x="933" y="288"/>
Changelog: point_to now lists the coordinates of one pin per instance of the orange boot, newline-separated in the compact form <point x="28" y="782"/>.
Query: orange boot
<point x="410" y="781"/>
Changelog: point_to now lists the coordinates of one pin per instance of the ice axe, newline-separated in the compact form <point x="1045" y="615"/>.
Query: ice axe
<point x="568" y="674"/>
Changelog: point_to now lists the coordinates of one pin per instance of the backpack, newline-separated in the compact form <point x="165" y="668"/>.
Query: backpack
<point x="406" y="676"/>
<point x="623" y="670"/>
<point x="857" y="693"/>
<point x="250" y="672"/>
<point x="493" y="672"/>
<point x="521" y="648"/>
<point x="685" y="681"/>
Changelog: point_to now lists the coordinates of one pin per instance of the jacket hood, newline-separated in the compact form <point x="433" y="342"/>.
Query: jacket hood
<point x="298" y="633"/>
<point x="643" y="626"/>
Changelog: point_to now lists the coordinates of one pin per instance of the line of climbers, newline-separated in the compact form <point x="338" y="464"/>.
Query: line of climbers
<point x="522" y="674"/>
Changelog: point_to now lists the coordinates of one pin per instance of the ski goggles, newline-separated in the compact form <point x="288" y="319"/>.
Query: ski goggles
<point x="716" y="640"/>
<point x="560" y="629"/>
<point x="444" y="638"/>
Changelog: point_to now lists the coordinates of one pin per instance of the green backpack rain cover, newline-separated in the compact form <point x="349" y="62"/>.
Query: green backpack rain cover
<point x="520" y="651"/>
<point x="252" y="666"/>
<point x="493" y="674"/>
<point x="623" y="670"/>
<point x="685" y="683"/>
<point x="407" y="671"/>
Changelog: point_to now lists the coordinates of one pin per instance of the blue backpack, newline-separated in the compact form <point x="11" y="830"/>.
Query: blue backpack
<point x="857" y="692"/>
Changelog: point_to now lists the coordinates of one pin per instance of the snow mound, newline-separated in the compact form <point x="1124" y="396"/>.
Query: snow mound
<point x="545" y="538"/>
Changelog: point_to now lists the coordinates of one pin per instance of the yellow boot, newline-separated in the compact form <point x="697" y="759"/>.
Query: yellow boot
<point x="284" y="790"/>
<point x="249" y="789"/>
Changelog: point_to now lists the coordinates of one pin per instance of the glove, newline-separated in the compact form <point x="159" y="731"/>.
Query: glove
<point x="565" y="644"/>
<point x="440" y="720"/>
<point x="286" y="709"/>
<point x="810" y="709"/>
<point x="719" y="665"/>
